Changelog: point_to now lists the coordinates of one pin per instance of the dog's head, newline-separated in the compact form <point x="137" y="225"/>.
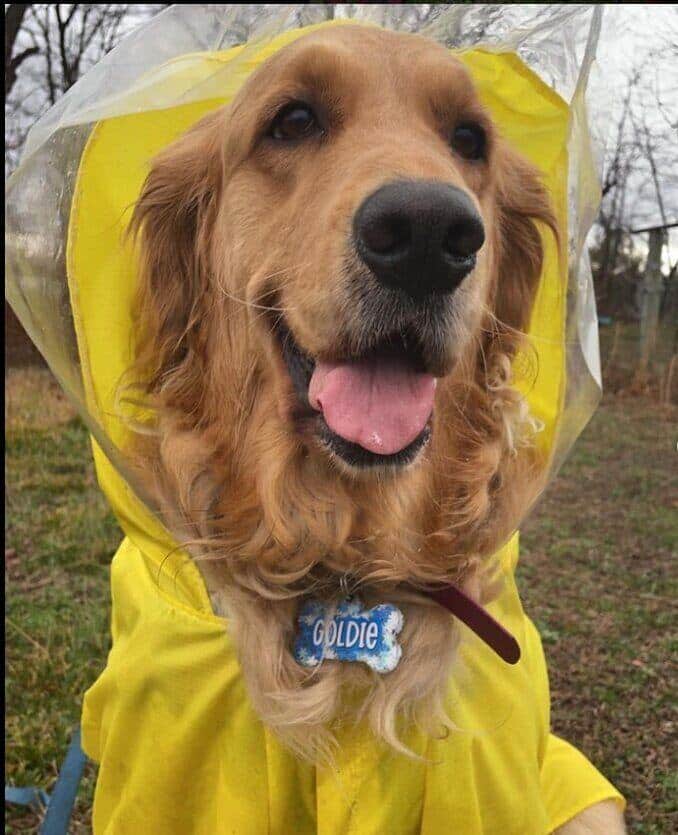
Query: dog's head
<point x="338" y="267"/>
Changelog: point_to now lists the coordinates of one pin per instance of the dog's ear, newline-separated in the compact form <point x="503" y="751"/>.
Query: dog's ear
<point x="522" y="201"/>
<point x="171" y="223"/>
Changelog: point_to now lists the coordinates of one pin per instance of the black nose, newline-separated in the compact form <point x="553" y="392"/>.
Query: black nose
<point x="420" y="236"/>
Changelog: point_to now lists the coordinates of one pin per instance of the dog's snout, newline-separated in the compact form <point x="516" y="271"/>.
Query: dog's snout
<point x="420" y="236"/>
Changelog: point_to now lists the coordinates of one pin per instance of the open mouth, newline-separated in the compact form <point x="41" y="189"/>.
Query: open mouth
<point x="369" y="410"/>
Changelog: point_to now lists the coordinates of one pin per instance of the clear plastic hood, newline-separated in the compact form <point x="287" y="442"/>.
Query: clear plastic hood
<point x="193" y="58"/>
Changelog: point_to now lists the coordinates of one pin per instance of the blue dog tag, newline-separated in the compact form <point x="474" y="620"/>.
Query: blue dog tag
<point x="353" y="633"/>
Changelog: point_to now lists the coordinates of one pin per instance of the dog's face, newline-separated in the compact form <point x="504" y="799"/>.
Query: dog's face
<point x="359" y="205"/>
<point x="336" y="271"/>
<point x="361" y="175"/>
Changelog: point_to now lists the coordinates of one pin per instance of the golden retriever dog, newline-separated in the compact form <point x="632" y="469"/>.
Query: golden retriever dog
<point x="337" y="271"/>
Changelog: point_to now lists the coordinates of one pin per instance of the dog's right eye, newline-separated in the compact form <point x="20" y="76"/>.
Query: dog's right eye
<point x="295" y="121"/>
<point x="469" y="140"/>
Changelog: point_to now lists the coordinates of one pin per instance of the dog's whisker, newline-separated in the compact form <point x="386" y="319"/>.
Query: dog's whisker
<point x="251" y="304"/>
<point x="264" y="279"/>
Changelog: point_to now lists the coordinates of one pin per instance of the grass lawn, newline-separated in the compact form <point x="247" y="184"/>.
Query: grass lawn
<point x="596" y="573"/>
<point x="60" y="538"/>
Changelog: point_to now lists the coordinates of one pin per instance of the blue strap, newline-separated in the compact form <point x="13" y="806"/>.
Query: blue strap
<point x="63" y="796"/>
<point x="60" y="804"/>
<point x="29" y="796"/>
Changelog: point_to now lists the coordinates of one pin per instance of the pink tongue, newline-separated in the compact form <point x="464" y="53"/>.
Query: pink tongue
<point x="380" y="403"/>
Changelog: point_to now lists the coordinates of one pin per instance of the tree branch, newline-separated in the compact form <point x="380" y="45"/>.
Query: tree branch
<point x="14" y="16"/>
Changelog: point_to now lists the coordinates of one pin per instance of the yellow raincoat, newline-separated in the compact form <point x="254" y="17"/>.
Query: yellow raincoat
<point x="179" y="747"/>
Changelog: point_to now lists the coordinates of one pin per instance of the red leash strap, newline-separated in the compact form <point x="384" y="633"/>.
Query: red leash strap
<point x="478" y="620"/>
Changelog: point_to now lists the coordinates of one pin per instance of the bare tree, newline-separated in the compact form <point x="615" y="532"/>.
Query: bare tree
<point x="650" y="292"/>
<point x="640" y="184"/>
<point x="48" y="46"/>
<point x="614" y="194"/>
<point x="69" y="37"/>
<point x="14" y="16"/>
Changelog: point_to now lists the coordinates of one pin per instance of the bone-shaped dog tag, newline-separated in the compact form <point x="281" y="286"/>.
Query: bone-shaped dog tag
<point x="352" y="633"/>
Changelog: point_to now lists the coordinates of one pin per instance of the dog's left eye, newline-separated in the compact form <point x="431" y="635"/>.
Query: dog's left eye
<point x="469" y="140"/>
<point x="295" y="121"/>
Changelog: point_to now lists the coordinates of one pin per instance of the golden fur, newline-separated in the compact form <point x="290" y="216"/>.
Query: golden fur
<point x="235" y="232"/>
<point x="604" y="818"/>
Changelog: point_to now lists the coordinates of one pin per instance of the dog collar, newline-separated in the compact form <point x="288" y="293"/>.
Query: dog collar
<point x="479" y="620"/>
